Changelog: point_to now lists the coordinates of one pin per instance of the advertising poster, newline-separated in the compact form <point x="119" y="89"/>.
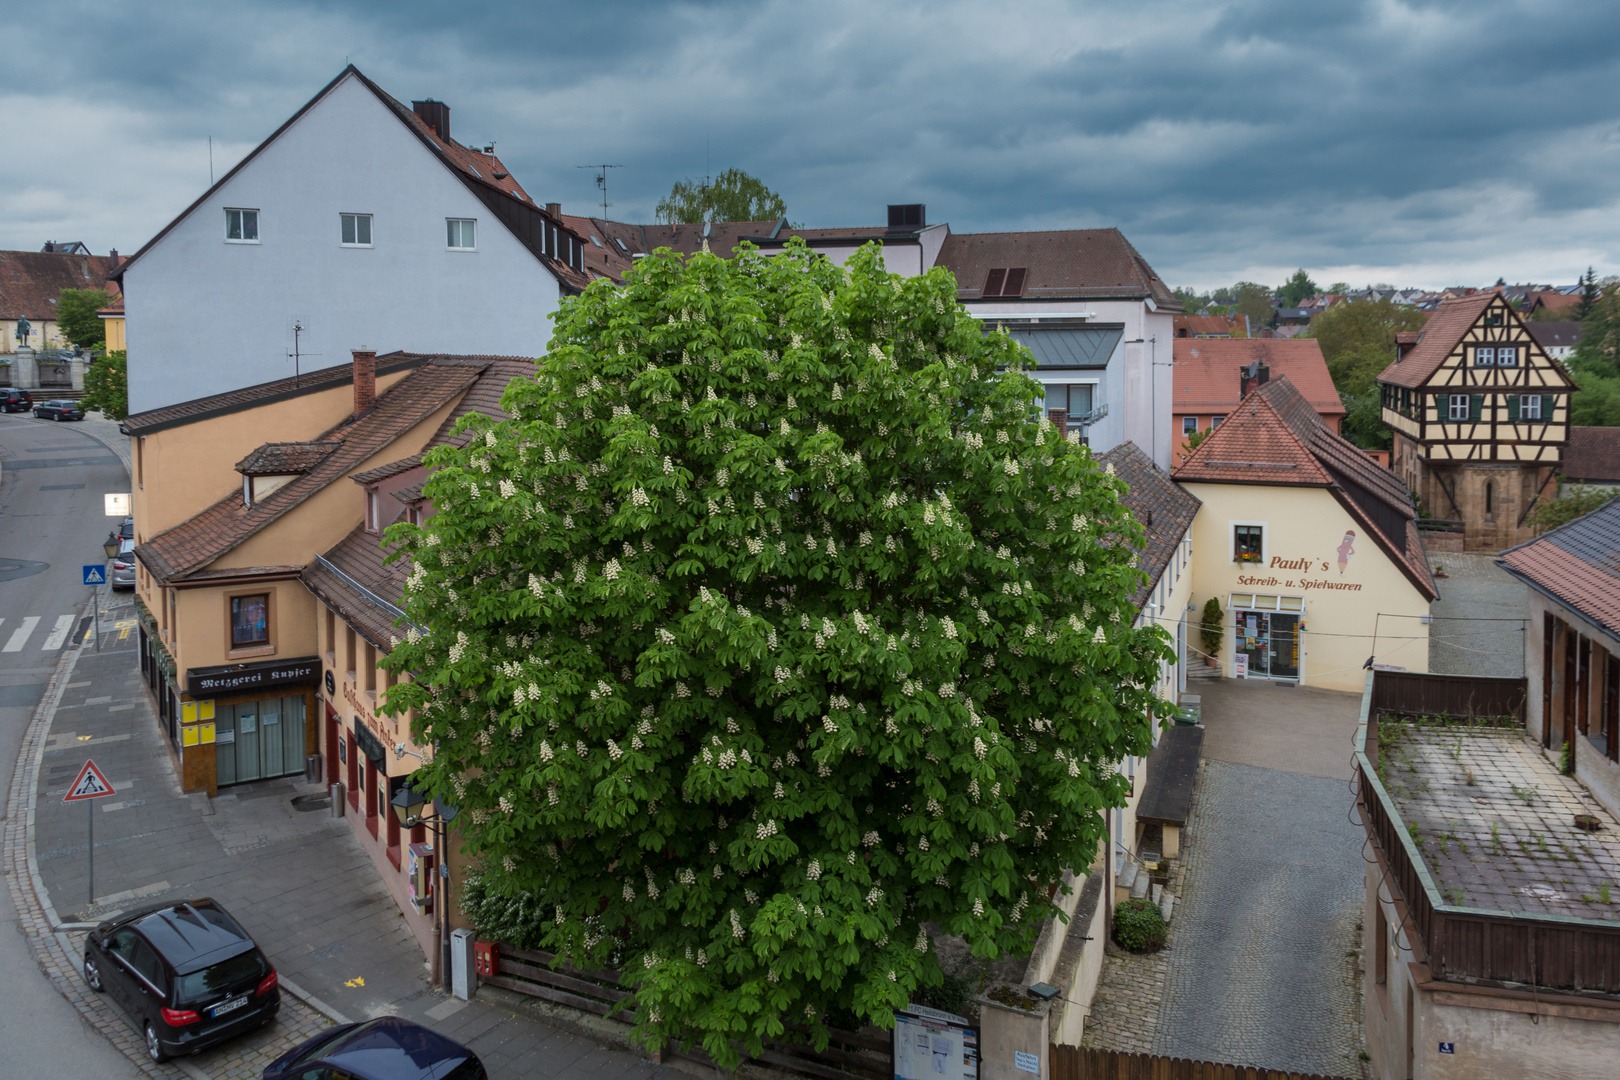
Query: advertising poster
<point x="934" y="1045"/>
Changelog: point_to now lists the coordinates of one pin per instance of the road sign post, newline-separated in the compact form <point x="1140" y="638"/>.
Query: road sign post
<point x="91" y="784"/>
<point x="95" y="577"/>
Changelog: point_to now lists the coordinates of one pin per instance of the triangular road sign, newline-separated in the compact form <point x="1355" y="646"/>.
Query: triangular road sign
<point x="94" y="575"/>
<point x="91" y="784"/>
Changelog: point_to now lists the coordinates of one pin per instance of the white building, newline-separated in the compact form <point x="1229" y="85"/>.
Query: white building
<point x="358" y="223"/>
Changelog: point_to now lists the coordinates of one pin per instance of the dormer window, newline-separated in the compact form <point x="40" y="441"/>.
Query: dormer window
<point x="373" y="513"/>
<point x="275" y="465"/>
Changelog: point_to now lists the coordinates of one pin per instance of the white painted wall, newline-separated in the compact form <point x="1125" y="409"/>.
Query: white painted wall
<point x="206" y="316"/>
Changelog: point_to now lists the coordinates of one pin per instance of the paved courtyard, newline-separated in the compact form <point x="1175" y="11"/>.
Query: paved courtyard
<point x="1260" y="967"/>
<point x="1478" y="626"/>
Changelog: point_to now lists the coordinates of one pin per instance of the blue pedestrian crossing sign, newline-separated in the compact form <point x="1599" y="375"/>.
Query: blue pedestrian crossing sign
<point x="95" y="575"/>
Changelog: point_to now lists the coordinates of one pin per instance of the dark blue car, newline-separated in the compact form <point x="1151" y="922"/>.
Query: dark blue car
<point x="386" y="1048"/>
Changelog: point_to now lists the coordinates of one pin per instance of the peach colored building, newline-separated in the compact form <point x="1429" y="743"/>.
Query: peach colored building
<point x="1209" y="380"/>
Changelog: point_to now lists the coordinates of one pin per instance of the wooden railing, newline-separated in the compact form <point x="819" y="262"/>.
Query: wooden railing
<point x="1458" y="697"/>
<point x="1472" y="945"/>
<point x="1091" y="1063"/>
<point x="848" y="1055"/>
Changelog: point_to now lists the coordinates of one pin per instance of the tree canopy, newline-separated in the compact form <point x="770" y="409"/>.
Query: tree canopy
<point x="1358" y="341"/>
<point x="1596" y="363"/>
<point x="77" y="319"/>
<point x="1299" y="288"/>
<point x="732" y="196"/>
<point x="775" y="624"/>
<point x="106" y="386"/>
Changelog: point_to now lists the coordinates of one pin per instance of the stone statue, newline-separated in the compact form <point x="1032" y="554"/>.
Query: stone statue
<point x="24" y="328"/>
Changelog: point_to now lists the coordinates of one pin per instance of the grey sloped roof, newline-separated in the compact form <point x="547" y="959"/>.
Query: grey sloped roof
<point x="1069" y="347"/>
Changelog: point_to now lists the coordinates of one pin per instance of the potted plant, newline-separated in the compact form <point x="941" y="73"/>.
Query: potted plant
<point x="1212" y="627"/>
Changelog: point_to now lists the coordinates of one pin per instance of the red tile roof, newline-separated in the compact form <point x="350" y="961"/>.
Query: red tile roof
<point x="1206" y="326"/>
<point x="1445" y="328"/>
<point x="221" y="528"/>
<point x="1092" y="264"/>
<point x="1275" y="438"/>
<point x="353" y="581"/>
<point x="1206" y="372"/>
<point x="1593" y="455"/>
<point x="279" y="459"/>
<point x="1577" y="564"/>
<point x="30" y="282"/>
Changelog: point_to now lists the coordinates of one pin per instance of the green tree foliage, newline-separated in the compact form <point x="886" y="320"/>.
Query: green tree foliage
<point x="1578" y="501"/>
<point x="773" y="626"/>
<point x="76" y="316"/>
<point x="732" y="196"/>
<point x="1358" y="342"/>
<point x="1299" y="288"/>
<point x="1212" y="627"/>
<point x="1338" y="288"/>
<point x="1253" y="301"/>
<point x="1596" y="363"/>
<point x="106" y="386"/>
<point x="1590" y="295"/>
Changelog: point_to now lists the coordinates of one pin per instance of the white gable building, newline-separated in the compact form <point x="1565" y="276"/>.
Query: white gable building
<point x="359" y="223"/>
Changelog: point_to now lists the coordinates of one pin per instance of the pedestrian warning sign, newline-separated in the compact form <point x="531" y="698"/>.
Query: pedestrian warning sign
<point x="95" y="575"/>
<point x="92" y="783"/>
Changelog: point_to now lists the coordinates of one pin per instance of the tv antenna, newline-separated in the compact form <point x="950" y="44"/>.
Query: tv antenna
<point x="601" y="182"/>
<point x="296" y="354"/>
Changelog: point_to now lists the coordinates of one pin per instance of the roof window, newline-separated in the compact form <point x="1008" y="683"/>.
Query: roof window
<point x="1005" y="282"/>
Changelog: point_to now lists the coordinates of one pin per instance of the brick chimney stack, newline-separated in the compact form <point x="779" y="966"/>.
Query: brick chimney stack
<point x="1252" y="376"/>
<point x="365" y="380"/>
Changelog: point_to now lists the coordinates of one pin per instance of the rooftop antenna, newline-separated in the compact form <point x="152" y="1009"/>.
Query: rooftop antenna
<point x="210" y="161"/>
<point x="601" y="182"/>
<point x="297" y="354"/>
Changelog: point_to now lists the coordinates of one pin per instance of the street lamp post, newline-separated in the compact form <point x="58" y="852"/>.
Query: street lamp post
<point x="408" y="805"/>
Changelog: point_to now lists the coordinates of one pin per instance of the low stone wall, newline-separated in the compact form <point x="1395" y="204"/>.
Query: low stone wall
<point x="1434" y="541"/>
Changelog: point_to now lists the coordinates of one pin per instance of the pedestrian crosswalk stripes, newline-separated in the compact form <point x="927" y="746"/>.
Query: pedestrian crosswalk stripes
<point x="55" y="637"/>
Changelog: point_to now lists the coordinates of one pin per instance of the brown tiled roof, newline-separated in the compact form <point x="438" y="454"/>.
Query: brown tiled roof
<point x="1577" y="564"/>
<point x="30" y="281"/>
<point x="1554" y="335"/>
<point x="1095" y="264"/>
<point x="383" y="472"/>
<point x="1445" y="328"/>
<point x="1408" y="337"/>
<point x="278" y="459"/>
<point x="193" y="544"/>
<point x="1164" y="508"/>
<point x="1206" y="372"/>
<point x="359" y="587"/>
<point x="1205" y="325"/>
<point x="249" y="397"/>
<point x="1593" y="455"/>
<point x="1276" y="438"/>
<point x="405" y="496"/>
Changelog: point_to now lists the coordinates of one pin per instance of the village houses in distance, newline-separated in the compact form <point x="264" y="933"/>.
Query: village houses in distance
<point x="1382" y="649"/>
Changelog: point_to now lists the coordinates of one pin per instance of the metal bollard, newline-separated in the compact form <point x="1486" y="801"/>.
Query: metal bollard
<point x="340" y="804"/>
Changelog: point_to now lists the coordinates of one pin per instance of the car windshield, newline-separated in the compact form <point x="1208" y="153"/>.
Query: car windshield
<point x="326" y="1044"/>
<point x="201" y="985"/>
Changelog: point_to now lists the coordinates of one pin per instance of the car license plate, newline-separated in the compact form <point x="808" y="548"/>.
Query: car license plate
<point x="229" y="1006"/>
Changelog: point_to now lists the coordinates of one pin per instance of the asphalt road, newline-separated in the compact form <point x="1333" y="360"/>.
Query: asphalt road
<point x="52" y="478"/>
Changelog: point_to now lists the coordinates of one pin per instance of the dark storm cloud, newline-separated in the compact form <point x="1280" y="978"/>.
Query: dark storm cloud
<point x="1417" y="142"/>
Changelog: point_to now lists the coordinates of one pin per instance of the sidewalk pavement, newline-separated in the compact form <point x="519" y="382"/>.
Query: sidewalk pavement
<point x="299" y="882"/>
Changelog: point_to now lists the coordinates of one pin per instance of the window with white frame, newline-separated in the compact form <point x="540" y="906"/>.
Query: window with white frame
<point x="460" y="235"/>
<point x="1530" y="407"/>
<point x="355" y="230"/>
<point x="1484" y="355"/>
<point x="1248" y="541"/>
<point x="1189" y="424"/>
<point x="241" y="226"/>
<point x="373" y="514"/>
<point x="1215" y="422"/>
<point x="1507" y="356"/>
<point x="1457" y="407"/>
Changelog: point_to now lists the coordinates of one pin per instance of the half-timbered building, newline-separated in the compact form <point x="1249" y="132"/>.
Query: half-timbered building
<point x="1481" y="418"/>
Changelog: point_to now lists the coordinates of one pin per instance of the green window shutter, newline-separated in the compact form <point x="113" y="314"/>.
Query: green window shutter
<point x="1476" y="406"/>
<point x="1513" y="408"/>
<point x="1442" y="407"/>
<point x="1547" y="403"/>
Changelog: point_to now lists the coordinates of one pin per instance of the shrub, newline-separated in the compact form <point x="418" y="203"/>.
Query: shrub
<point x="1212" y="626"/>
<point x="1139" y="926"/>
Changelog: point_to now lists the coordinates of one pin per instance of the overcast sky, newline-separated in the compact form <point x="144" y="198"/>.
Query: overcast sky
<point x="1423" y="144"/>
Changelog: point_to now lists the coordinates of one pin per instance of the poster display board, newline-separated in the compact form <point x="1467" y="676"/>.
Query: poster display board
<point x="934" y="1045"/>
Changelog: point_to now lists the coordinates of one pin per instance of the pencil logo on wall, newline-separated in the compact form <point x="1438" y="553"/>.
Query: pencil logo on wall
<point x="1346" y="549"/>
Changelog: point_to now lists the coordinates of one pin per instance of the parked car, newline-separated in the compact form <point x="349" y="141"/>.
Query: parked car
<point x="186" y="975"/>
<point x="123" y="566"/>
<point x="127" y="529"/>
<point x="12" y="400"/>
<point x="59" y="410"/>
<point x="387" y="1048"/>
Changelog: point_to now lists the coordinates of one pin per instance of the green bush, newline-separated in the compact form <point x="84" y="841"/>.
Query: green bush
<point x="512" y="920"/>
<point x="1139" y="927"/>
<point x="1213" y="626"/>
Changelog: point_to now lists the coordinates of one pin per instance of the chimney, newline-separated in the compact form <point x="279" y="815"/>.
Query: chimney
<point x="112" y="261"/>
<point x="435" y="114"/>
<point x="365" y="380"/>
<point x="907" y="217"/>
<point x="554" y="209"/>
<point x="1251" y="377"/>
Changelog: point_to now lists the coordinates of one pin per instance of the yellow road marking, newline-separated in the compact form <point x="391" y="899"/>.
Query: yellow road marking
<point x="358" y="980"/>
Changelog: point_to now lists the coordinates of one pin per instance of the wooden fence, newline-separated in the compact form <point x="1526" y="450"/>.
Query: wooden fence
<point x="849" y="1055"/>
<point x="1461" y="697"/>
<point x="1090" y="1063"/>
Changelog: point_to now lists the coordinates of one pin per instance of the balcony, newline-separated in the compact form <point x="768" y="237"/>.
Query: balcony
<point x="1486" y="845"/>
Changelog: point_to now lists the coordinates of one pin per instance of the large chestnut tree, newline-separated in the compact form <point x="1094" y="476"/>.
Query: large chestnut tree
<point x="774" y="624"/>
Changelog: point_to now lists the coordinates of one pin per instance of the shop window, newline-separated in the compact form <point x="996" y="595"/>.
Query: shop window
<point x="250" y="621"/>
<point x="1248" y="543"/>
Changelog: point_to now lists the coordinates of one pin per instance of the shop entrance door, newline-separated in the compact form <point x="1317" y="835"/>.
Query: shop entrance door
<point x="258" y="739"/>
<point x="1270" y="641"/>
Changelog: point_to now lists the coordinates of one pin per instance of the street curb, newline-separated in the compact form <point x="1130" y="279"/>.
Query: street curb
<point x="312" y="1001"/>
<point x="120" y="447"/>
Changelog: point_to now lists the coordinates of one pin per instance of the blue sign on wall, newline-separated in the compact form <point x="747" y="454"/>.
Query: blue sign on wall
<point x="95" y="575"/>
<point x="1448" y="1048"/>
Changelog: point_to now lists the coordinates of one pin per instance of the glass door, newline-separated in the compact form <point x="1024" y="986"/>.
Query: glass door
<point x="248" y="759"/>
<point x="225" y="745"/>
<point x="1270" y="642"/>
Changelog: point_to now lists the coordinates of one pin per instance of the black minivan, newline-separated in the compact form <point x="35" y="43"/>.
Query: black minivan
<point x="186" y="975"/>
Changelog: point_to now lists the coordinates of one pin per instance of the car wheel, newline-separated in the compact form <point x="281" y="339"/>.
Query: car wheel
<point x="154" y="1049"/>
<point x="92" y="975"/>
